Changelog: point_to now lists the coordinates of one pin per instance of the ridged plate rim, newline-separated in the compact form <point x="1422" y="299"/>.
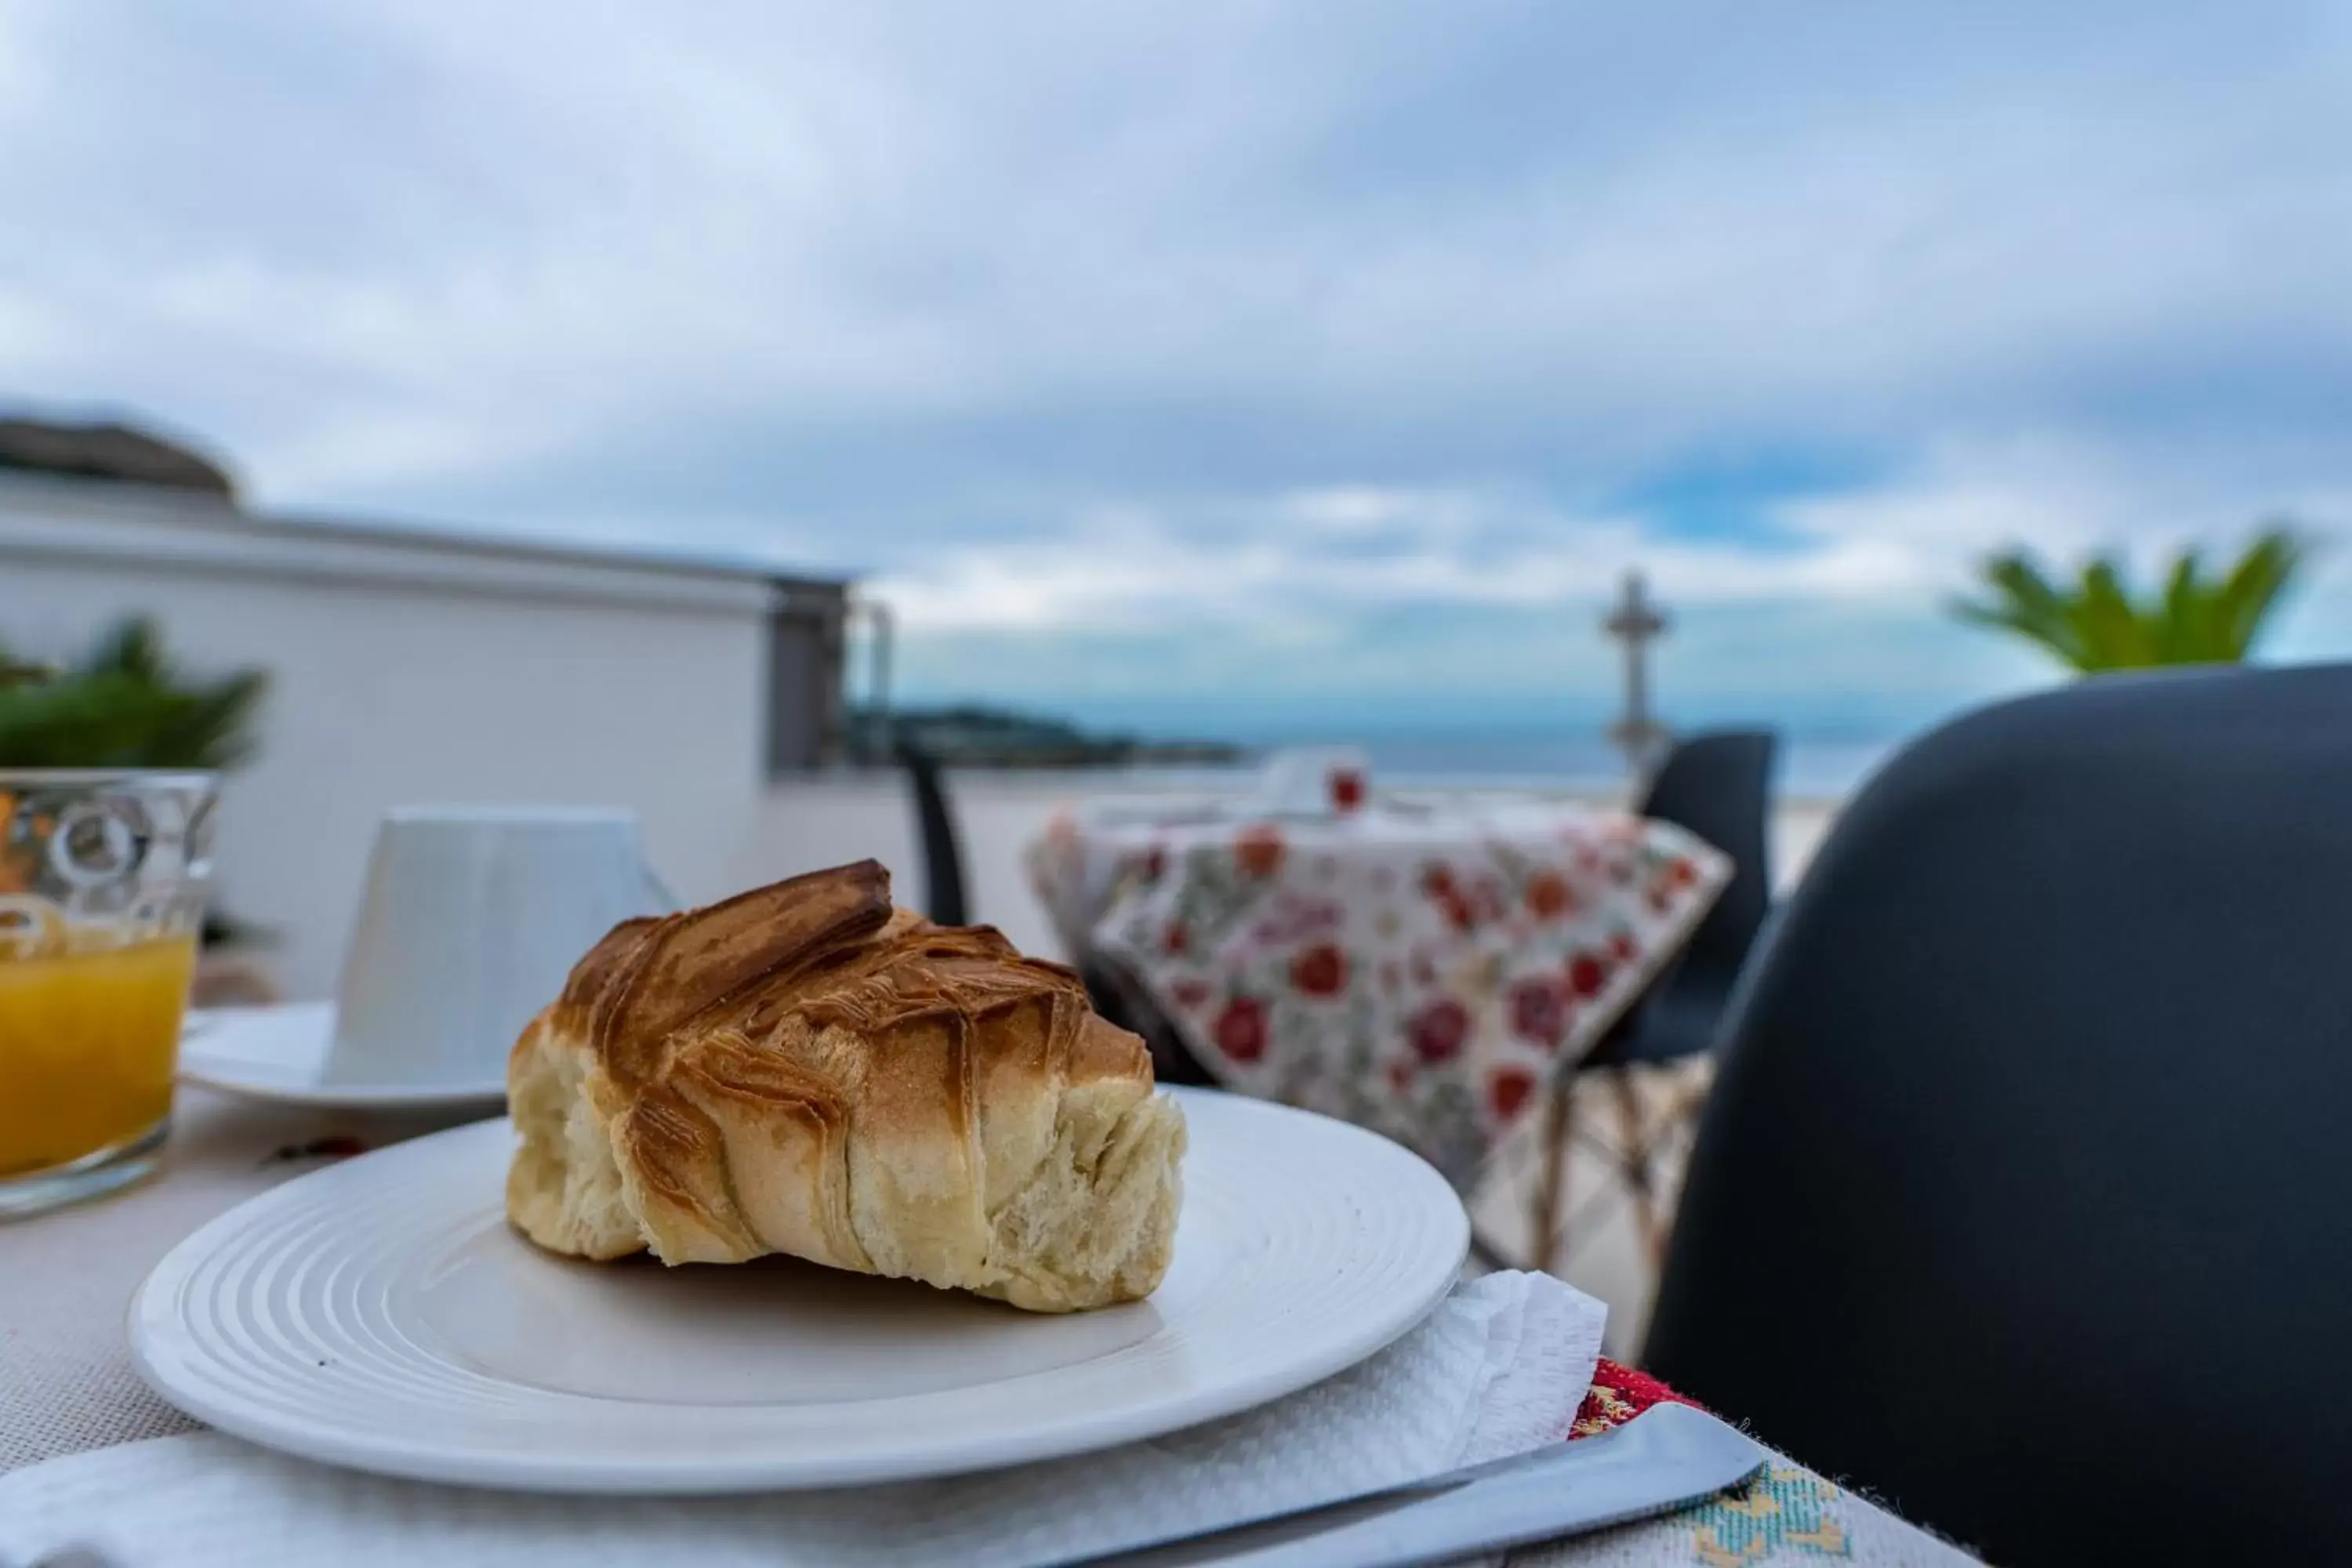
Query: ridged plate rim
<point x="1387" y="1199"/>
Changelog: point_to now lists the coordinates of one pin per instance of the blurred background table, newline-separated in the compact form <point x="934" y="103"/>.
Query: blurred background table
<point x="1423" y="971"/>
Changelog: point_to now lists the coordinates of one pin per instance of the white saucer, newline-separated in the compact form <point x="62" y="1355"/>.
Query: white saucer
<point x="381" y="1314"/>
<point x="279" y="1055"/>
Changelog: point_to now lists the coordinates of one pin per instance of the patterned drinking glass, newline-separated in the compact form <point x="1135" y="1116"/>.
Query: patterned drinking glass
<point x="102" y="878"/>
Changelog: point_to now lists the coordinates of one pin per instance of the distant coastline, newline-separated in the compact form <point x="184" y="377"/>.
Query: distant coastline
<point x="971" y="735"/>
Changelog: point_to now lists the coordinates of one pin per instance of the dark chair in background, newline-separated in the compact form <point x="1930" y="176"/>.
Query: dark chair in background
<point x="2023" y="1197"/>
<point x="1719" y="786"/>
<point x="943" y="898"/>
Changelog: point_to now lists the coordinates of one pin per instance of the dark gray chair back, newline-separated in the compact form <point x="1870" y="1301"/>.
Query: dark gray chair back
<point x="943" y="898"/>
<point x="2024" y="1194"/>
<point x="1719" y="785"/>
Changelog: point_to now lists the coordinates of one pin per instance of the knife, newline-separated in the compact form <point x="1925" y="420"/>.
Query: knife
<point x="1669" y="1456"/>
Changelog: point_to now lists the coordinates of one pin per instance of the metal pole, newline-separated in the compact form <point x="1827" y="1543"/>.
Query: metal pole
<point x="885" y="631"/>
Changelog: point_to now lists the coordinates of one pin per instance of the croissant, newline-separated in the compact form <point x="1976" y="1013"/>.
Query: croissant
<point x="805" y="1069"/>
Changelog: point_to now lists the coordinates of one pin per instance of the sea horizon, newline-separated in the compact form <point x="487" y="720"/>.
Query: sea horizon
<point x="1807" y="765"/>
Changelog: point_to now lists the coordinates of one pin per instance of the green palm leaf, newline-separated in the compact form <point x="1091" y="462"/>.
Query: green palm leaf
<point x="2253" y="589"/>
<point x="2183" y="632"/>
<point x="2108" y="627"/>
<point x="132" y="647"/>
<point x="125" y="705"/>
<point x="2020" y="598"/>
<point x="2097" y="623"/>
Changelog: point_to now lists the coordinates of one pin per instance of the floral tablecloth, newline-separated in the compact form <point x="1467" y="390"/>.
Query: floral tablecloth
<point x="1422" y="973"/>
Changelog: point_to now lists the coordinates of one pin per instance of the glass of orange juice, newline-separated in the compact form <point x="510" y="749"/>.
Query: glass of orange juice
<point x="102" y="878"/>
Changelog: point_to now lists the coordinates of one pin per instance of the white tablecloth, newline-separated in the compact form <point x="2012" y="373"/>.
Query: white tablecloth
<point x="67" y="1384"/>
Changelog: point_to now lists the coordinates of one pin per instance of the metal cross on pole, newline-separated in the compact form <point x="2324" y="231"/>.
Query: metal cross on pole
<point x="1637" y="622"/>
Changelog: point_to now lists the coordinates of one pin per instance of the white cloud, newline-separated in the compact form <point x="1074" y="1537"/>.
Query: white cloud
<point x="1214" y="314"/>
<point x="542" y="218"/>
<point x="1911" y="539"/>
<point x="1143" y="569"/>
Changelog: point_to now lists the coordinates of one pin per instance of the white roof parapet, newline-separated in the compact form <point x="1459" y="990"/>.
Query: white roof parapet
<point x="60" y="519"/>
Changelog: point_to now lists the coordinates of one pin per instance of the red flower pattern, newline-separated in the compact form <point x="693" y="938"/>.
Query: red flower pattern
<point x="1439" y="1030"/>
<point x="1481" y="958"/>
<point x="1586" y="975"/>
<point x="1507" y="1091"/>
<point x="1538" y="1013"/>
<point x="1347" y="789"/>
<point x="1547" y="896"/>
<point x="1241" y="1029"/>
<point x="1258" y="850"/>
<point x="1321" y="970"/>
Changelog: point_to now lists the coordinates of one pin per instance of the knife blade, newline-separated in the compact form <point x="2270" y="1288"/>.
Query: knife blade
<point x="1665" y="1458"/>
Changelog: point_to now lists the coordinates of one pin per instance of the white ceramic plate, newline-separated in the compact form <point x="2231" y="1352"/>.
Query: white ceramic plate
<point x="381" y="1314"/>
<point x="279" y="1055"/>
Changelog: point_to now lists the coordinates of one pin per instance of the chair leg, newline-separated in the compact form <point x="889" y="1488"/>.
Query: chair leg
<point x="1634" y="1165"/>
<point x="1680" y="1121"/>
<point x="1552" y="1196"/>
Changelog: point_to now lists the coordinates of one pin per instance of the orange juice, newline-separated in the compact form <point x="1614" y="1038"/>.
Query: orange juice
<point x="88" y="1043"/>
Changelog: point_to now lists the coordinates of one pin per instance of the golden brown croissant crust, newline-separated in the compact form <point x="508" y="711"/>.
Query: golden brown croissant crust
<point x="805" y="1069"/>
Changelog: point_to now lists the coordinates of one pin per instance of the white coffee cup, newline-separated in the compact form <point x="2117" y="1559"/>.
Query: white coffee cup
<point x="471" y="918"/>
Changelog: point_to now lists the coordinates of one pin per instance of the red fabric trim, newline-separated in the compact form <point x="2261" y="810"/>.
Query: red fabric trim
<point x="1618" y="1394"/>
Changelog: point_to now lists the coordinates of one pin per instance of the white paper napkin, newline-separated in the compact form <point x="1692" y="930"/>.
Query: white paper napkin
<point x="1499" y="1367"/>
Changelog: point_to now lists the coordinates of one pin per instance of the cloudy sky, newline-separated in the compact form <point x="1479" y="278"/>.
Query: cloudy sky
<point x="1218" y="365"/>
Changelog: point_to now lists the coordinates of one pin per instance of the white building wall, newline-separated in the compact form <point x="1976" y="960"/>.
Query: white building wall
<point x="409" y="673"/>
